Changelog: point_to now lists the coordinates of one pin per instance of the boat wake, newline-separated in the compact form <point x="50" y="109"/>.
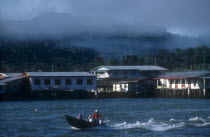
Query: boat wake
<point x="197" y="119"/>
<point x="155" y="125"/>
<point x="150" y="125"/>
<point x="199" y="122"/>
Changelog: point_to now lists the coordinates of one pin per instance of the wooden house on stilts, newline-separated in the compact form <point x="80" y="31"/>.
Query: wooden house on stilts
<point x="188" y="84"/>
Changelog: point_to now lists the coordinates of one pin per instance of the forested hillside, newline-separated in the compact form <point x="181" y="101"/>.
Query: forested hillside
<point x="34" y="56"/>
<point x="56" y="56"/>
<point x="177" y="60"/>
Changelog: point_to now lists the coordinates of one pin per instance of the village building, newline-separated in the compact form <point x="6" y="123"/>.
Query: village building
<point x="128" y="71"/>
<point x="44" y="85"/>
<point x="70" y="81"/>
<point x="125" y="78"/>
<point x="185" y="81"/>
<point x="132" y="85"/>
<point x="14" y="85"/>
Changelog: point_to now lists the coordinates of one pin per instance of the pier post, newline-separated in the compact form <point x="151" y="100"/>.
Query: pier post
<point x="96" y="94"/>
<point x="204" y="80"/>
<point x="204" y="92"/>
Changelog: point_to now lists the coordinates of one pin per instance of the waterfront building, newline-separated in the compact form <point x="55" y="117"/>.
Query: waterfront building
<point x="110" y="78"/>
<point x="183" y="80"/>
<point x="128" y="71"/>
<point x="132" y="85"/>
<point x="188" y="84"/>
<point x="13" y="85"/>
<point x="62" y="81"/>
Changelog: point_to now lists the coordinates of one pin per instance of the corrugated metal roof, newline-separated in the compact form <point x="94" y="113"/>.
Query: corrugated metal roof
<point x="182" y="75"/>
<point x="59" y="74"/>
<point x="12" y="74"/>
<point x="93" y="70"/>
<point x="132" y="68"/>
<point x="10" y="79"/>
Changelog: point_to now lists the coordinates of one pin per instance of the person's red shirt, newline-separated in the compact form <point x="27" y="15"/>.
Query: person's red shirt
<point x="96" y="116"/>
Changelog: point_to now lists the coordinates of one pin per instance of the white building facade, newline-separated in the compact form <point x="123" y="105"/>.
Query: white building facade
<point x="125" y="86"/>
<point x="184" y="80"/>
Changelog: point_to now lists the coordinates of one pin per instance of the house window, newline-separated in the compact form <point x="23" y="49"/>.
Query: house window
<point x="47" y="81"/>
<point x="37" y="82"/>
<point x="133" y="72"/>
<point x="126" y="86"/>
<point x="171" y="81"/>
<point x="177" y="81"/>
<point x="79" y="81"/>
<point x="183" y="81"/>
<point x="189" y="81"/>
<point x="89" y="81"/>
<point x="159" y="82"/>
<point x="68" y="81"/>
<point x="57" y="82"/>
<point x="194" y="82"/>
<point x="116" y="72"/>
<point x="124" y="72"/>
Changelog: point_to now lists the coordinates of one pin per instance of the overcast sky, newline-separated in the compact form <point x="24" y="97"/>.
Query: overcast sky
<point x="184" y="17"/>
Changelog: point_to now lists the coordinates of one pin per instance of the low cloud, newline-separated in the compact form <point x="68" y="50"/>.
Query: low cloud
<point x="60" y="17"/>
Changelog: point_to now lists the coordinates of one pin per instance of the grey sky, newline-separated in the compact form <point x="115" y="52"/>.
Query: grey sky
<point x="184" y="17"/>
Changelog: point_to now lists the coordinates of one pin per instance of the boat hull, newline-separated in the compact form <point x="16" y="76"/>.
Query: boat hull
<point x="79" y="123"/>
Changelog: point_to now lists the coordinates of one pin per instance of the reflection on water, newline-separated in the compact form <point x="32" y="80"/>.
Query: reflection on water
<point x="123" y="117"/>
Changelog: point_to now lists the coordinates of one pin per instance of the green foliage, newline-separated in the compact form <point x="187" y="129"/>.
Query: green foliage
<point x="45" y="55"/>
<point x="188" y="59"/>
<point x="113" y="62"/>
<point x="177" y="60"/>
<point x="34" y="56"/>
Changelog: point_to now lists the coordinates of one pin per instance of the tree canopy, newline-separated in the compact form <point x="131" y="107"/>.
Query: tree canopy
<point x="47" y="55"/>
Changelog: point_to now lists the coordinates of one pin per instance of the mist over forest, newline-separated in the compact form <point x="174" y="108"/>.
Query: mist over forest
<point x="38" y="34"/>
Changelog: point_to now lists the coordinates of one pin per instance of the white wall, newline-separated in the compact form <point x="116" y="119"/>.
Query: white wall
<point x="194" y="84"/>
<point x="103" y="75"/>
<point x="117" y="87"/>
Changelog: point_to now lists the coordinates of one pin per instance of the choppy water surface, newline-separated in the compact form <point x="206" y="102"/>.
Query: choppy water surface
<point x="124" y="117"/>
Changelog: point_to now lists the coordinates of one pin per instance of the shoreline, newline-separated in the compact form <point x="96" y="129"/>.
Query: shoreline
<point x="62" y="95"/>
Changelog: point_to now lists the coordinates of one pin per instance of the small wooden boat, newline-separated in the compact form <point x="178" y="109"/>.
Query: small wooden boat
<point x="79" y="123"/>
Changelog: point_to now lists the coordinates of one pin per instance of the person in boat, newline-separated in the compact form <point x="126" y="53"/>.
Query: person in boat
<point x="79" y="116"/>
<point x="89" y="118"/>
<point x="96" y="116"/>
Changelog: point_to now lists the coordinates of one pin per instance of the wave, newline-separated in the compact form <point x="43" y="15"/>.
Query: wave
<point x="154" y="125"/>
<point x="199" y="122"/>
<point x="150" y="125"/>
<point x="196" y="119"/>
<point x="172" y="119"/>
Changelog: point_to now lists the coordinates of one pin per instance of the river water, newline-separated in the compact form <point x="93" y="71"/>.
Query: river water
<point x="123" y="117"/>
